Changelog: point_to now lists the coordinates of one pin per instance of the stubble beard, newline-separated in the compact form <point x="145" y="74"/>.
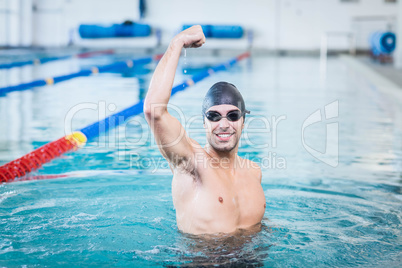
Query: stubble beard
<point x="224" y="148"/>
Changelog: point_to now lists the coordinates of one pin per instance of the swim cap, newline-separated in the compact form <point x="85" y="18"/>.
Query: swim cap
<point x="224" y="93"/>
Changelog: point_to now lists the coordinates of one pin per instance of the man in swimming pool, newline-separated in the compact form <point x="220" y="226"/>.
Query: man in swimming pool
<point x="214" y="190"/>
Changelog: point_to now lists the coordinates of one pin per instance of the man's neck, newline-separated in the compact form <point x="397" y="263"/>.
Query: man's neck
<point x="226" y="160"/>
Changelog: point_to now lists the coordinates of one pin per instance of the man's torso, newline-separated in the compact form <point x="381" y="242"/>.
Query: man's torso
<point x="213" y="200"/>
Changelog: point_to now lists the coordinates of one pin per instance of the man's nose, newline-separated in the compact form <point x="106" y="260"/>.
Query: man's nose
<point x="224" y="123"/>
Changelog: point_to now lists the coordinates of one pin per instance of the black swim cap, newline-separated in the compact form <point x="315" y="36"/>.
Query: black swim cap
<point x="224" y="93"/>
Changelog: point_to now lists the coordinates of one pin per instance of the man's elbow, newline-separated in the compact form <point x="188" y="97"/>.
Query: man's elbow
<point x="153" y="112"/>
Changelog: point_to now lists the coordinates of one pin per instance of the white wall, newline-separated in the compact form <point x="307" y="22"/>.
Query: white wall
<point x="302" y="22"/>
<point x="258" y="15"/>
<point x="78" y="12"/>
<point x="277" y="24"/>
<point x="3" y="23"/>
<point x="48" y="23"/>
<point x="26" y="22"/>
<point x="9" y="23"/>
<point x="15" y="22"/>
<point x="283" y="24"/>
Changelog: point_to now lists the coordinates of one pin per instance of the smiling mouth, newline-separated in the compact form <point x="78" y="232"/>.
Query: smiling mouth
<point x="224" y="136"/>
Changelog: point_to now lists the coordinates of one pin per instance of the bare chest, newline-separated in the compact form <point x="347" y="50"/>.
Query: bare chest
<point x="220" y="202"/>
<point x="241" y="196"/>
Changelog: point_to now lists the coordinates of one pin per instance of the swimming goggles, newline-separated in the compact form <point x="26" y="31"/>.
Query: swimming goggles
<point x="232" y="116"/>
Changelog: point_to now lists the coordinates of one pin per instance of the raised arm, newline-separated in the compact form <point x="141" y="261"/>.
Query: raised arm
<point x="169" y="134"/>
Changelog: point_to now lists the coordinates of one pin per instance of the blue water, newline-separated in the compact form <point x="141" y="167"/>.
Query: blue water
<point x="111" y="202"/>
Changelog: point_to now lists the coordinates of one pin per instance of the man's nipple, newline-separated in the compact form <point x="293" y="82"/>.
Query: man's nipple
<point x="220" y="199"/>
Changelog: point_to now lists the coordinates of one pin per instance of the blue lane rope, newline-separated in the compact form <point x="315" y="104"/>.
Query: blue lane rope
<point x="35" y="159"/>
<point x="48" y="59"/>
<point x="31" y="62"/>
<point x="116" y="119"/>
<point x="93" y="70"/>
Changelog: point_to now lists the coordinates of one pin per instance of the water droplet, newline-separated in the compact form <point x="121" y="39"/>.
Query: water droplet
<point x="185" y="60"/>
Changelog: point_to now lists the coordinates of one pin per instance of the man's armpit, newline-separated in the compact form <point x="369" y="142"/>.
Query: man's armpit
<point x="185" y="165"/>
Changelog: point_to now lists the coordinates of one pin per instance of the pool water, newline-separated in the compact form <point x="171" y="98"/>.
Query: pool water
<point x="110" y="202"/>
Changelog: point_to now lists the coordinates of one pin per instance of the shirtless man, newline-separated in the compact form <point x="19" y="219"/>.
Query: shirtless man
<point x="214" y="190"/>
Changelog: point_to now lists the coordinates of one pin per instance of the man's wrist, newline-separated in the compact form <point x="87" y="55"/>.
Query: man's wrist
<point x="177" y="43"/>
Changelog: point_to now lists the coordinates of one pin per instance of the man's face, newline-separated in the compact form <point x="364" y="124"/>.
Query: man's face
<point x="223" y="135"/>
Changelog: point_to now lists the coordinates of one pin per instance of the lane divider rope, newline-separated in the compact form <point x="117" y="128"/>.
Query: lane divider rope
<point x="49" y="59"/>
<point x="86" y="72"/>
<point x="35" y="159"/>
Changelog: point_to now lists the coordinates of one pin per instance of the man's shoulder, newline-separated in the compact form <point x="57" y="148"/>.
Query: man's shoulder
<point x="251" y="167"/>
<point x="248" y="164"/>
